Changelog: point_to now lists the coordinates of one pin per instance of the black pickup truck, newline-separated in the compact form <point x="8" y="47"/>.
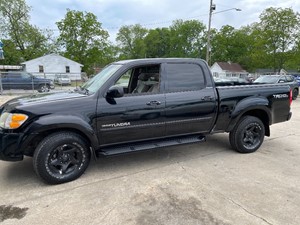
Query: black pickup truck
<point x="136" y="105"/>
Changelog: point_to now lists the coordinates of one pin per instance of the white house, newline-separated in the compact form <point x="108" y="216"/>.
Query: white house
<point x="228" y="69"/>
<point x="52" y="64"/>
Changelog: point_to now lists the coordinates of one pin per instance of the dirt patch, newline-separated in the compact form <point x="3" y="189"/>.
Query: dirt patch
<point x="160" y="206"/>
<point x="11" y="212"/>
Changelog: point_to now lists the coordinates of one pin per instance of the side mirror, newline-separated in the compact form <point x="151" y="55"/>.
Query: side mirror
<point x="281" y="81"/>
<point x="115" y="91"/>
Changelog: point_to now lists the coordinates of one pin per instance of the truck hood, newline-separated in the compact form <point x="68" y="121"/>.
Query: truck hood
<point x="43" y="98"/>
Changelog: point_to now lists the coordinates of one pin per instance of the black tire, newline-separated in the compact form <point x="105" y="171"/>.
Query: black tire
<point x="248" y="135"/>
<point x="295" y="93"/>
<point x="44" y="88"/>
<point x="61" y="157"/>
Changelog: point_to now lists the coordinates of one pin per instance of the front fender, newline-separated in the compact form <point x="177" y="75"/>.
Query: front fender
<point x="256" y="106"/>
<point x="53" y="122"/>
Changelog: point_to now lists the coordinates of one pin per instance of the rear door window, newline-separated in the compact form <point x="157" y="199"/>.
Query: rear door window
<point x="184" y="77"/>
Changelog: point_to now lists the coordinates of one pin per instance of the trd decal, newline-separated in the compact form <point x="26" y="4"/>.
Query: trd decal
<point x="281" y="96"/>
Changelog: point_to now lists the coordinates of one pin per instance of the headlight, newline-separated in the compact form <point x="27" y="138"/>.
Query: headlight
<point x="12" y="120"/>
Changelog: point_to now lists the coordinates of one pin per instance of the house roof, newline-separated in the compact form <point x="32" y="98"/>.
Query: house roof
<point x="48" y="56"/>
<point x="231" y="67"/>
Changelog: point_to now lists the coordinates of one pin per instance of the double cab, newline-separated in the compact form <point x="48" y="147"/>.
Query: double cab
<point x="136" y="105"/>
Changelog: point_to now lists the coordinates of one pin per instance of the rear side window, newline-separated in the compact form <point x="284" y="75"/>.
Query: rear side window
<point x="184" y="77"/>
<point x="282" y="79"/>
<point x="289" y="78"/>
<point x="14" y="75"/>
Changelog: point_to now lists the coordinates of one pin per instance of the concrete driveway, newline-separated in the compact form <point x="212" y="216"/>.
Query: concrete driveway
<point x="205" y="183"/>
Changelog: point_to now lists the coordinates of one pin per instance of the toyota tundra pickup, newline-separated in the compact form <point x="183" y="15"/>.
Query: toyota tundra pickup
<point x="136" y="105"/>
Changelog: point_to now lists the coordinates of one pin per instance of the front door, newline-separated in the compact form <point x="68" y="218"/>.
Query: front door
<point x="139" y="114"/>
<point x="20" y="80"/>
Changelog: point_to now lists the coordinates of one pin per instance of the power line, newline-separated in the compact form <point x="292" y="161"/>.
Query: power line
<point x="160" y="22"/>
<point x="152" y="23"/>
<point x="143" y="24"/>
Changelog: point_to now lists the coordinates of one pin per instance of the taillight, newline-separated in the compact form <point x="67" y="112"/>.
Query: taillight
<point x="291" y="96"/>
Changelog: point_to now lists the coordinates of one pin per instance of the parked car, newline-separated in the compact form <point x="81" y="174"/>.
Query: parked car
<point x="165" y="102"/>
<point x="62" y="79"/>
<point x="297" y="77"/>
<point x="25" y="81"/>
<point x="283" y="79"/>
<point x="225" y="81"/>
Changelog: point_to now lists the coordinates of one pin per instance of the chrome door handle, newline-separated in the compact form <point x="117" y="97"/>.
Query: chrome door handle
<point x="206" y="98"/>
<point x="153" y="103"/>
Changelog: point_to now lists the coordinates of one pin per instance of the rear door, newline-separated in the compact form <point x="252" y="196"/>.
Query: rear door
<point x="191" y="104"/>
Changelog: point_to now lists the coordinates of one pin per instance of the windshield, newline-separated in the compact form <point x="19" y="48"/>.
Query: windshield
<point x="97" y="81"/>
<point x="267" y="79"/>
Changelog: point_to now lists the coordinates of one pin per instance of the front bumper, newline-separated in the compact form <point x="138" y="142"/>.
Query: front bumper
<point x="9" y="146"/>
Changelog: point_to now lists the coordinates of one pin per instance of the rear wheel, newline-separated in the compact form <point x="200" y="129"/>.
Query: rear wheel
<point x="295" y="94"/>
<point x="248" y="135"/>
<point x="61" y="157"/>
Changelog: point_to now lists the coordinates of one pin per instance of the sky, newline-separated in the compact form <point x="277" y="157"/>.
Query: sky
<point x="154" y="13"/>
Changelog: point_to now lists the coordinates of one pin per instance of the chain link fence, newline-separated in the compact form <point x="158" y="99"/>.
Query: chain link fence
<point x="18" y="83"/>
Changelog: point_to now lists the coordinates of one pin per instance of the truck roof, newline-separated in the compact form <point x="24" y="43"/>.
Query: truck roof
<point x="158" y="60"/>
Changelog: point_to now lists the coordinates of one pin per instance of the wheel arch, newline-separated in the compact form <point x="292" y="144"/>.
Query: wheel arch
<point x="30" y="144"/>
<point x="48" y="125"/>
<point x="261" y="112"/>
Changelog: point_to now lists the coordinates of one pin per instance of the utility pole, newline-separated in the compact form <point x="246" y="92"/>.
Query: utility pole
<point x="212" y="7"/>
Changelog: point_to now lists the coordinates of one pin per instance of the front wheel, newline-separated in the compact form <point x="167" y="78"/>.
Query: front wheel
<point x="61" y="157"/>
<point x="248" y="135"/>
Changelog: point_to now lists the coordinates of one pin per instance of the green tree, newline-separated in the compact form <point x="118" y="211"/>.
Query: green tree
<point x="223" y="44"/>
<point x="15" y="26"/>
<point x="157" y="43"/>
<point x="238" y="45"/>
<point x="83" y="39"/>
<point x="293" y="61"/>
<point x="131" y="41"/>
<point x="279" y="28"/>
<point x="11" y="54"/>
<point x="257" y="56"/>
<point x="187" y="39"/>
